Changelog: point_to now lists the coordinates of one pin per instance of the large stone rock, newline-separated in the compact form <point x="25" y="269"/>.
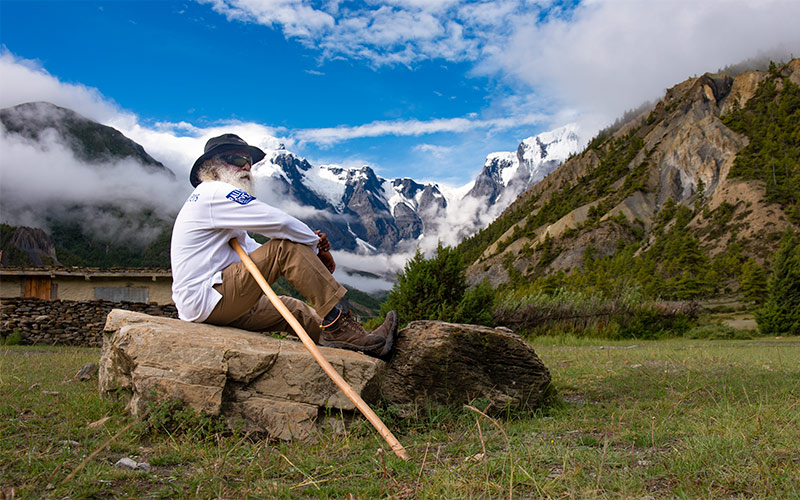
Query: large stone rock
<point x="255" y="381"/>
<point x="454" y="364"/>
<point x="275" y="386"/>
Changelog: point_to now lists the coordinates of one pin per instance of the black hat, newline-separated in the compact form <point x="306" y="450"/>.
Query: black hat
<point x="217" y="145"/>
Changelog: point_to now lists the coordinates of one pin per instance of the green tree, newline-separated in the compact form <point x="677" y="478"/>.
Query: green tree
<point x="435" y="288"/>
<point x="476" y="306"/>
<point x="771" y="120"/>
<point x="753" y="282"/>
<point x="429" y="288"/>
<point x="781" y="312"/>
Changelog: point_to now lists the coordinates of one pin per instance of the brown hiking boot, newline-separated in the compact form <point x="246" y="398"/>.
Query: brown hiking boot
<point x="387" y="330"/>
<point x="346" y="333"/>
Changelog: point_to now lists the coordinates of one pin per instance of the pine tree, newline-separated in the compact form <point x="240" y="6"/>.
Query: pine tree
<point x="753" y="282"/>
<point x="781" y="312"/>
<point x="436" y="288"/>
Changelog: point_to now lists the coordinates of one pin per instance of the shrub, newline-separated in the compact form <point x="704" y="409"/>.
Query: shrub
<point x="175" y="417"/>
<point x="476" y="306"/>
<point x="13" y="338"/>
<point x="649" y="323"/>
<point x="435" y="288"/>
<point x="717" y="332"/>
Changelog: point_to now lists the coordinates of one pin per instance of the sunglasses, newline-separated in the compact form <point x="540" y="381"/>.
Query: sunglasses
<point x="237" y="160"/>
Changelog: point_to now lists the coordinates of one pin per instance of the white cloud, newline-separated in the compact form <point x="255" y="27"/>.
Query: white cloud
<point x="296" y="17"/>
<point x="599" y="58"/>
<point x="393" y="32"/>
<point x="332" y="135"/>
<point x="609" y="56"/>
<point x="60" y="181"/>
<point x="434" y="150"/>
<point x="383" y="267"/>
<point x="176" y="145"/>
<point x="25" y="80"/>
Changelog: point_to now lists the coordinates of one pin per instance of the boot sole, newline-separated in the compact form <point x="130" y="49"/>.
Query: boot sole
<point x="387" y="347"/>
<point x="351" y="347"/>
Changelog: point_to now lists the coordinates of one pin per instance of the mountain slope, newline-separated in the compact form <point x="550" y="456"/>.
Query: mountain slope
<point x="90" y="141"/>
<point x="99" y="195"/>
<point x="666" y="176"/>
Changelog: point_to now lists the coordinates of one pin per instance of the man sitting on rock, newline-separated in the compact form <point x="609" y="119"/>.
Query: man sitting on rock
<point x="211" y="284"/>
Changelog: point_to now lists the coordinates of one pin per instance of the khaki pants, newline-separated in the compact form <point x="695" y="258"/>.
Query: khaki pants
<point x="243" y="304"/>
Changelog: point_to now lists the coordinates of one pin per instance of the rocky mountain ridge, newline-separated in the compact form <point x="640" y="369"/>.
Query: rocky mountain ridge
<point x="362" y="211"/>
<point x="26" y="244"/>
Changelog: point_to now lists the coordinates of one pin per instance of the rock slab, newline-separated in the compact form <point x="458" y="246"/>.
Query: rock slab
<point x="453" y="365"/>
<point x="255" y="382"/>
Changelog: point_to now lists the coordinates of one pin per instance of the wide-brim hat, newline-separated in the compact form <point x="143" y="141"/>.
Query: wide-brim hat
<point x="219" y="145"/>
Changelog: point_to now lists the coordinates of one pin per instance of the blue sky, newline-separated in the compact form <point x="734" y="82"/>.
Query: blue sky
<point x="417" y="88"/>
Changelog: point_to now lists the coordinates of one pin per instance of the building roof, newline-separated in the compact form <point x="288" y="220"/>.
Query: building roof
<point x="87" y="272"/>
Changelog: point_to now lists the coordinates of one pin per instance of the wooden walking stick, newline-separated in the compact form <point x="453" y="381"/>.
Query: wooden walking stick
<point x="312" y="347"/>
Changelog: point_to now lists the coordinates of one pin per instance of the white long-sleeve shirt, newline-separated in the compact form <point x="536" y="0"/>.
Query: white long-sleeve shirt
<point x="214" y="213"/>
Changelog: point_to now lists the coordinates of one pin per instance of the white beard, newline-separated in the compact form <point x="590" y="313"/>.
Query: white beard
<point x="238" y="178"/>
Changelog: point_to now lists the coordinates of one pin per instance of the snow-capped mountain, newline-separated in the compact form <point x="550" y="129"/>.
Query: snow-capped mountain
<point x="506" y="175"/>
<point x="361" y="211"/>
<point x="356" y="208"/>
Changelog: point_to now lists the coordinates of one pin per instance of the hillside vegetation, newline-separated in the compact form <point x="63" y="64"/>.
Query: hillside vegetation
<point x="689" y="199"/>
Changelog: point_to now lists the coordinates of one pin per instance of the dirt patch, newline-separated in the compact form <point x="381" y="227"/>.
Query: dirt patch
<point x="741" y="323"/>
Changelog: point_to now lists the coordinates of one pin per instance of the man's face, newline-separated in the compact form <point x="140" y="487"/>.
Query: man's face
<point x="236" y="169"/>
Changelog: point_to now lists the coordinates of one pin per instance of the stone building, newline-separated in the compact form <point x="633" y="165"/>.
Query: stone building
<point x="79" y="284"/>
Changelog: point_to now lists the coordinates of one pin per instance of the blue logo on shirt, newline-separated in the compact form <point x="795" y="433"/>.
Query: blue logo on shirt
<point x="240" y="197"/>
<point x="193" y="198"/>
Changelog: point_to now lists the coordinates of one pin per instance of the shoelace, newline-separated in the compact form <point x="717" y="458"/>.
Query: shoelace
<point x="347" y="317"/>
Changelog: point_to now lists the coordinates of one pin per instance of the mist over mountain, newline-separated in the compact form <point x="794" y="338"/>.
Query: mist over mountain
<point x="101" y="197"/>
<point x="94" y="186"/>
<point x="90" y="141"/>
<point x="708" y="171"/>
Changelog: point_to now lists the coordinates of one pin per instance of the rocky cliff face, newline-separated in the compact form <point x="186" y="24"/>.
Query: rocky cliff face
<point x="680" y="151"/>
<point x="26" y="246"/>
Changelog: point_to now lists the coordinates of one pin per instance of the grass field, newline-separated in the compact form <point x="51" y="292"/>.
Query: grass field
<point x="658" y="419"/>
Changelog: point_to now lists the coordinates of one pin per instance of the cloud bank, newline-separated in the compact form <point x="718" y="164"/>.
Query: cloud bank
<point x="609" y="56"/>
<point x="59" y="186"/>
<point x="176" y="145"/>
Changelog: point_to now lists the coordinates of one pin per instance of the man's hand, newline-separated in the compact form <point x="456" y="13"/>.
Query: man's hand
<point x="324" y="254"/>
<point x="327" y="260"/>
<point x="323" y="245"/>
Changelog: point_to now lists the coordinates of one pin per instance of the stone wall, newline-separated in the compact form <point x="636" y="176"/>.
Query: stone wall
<point x="70" y="322"/>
